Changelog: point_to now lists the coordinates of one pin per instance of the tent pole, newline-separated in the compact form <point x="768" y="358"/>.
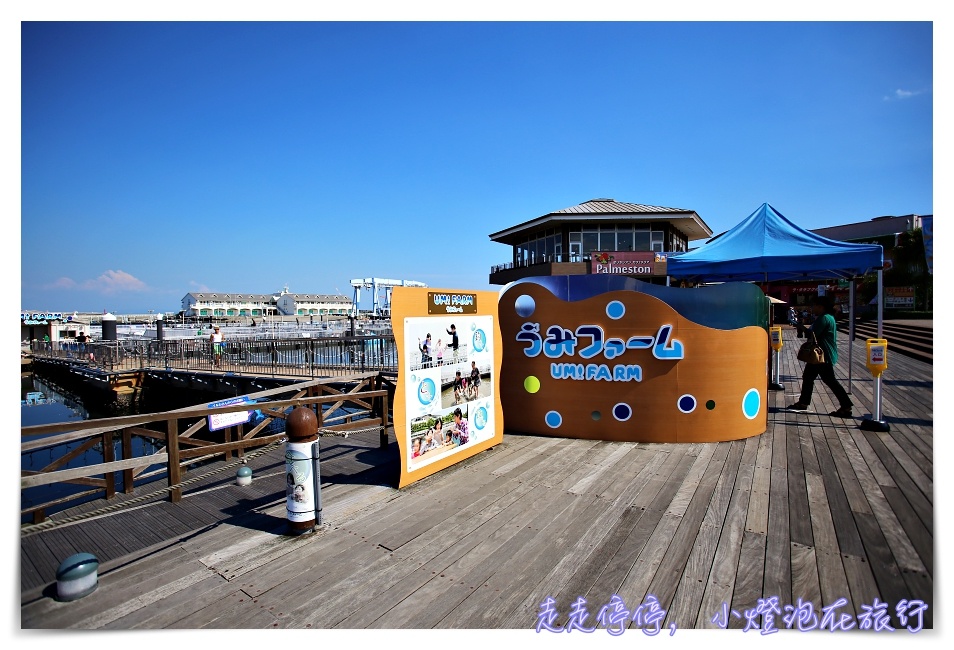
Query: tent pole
<point x="880" y="301"/>
<point x="851" y="328"/>
<point x="877" y="423"/>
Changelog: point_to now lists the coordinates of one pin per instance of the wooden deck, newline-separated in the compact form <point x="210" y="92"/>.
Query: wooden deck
<point x="814" y="509"/>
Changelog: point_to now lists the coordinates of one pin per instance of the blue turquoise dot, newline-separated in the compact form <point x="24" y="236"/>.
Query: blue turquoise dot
<point x="480" y="418"/>
<point x="622" y="412"/>
<point x="686" y="403"/>
<point x="615" y="310"/>
<point x="751" y="403"/>
<point x="554" y="419"/>
<point x="525" y="305"/>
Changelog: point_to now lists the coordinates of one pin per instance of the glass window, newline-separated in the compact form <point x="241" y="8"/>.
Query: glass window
<point x="641" y="240"/>
<point x="203" y="312"/>
<point x="575" y="237"/>
<point x="591" y="241"/>
<point x="607" y="238"/>
<point x="624" y="239"/>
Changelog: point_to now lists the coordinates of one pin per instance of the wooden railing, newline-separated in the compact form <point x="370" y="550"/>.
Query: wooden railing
<point x="340" y="404"/>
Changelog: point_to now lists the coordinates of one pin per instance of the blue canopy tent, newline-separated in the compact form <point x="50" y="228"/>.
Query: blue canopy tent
<point x="767" y="247"/>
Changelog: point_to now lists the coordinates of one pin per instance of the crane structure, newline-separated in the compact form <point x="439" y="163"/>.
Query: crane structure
<point x="375" y="284"/>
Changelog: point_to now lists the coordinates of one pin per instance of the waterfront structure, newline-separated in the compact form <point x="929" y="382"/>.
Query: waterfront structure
<point x="51" y="326"/>
<point x="257" y="305"/>
<point x="598" y="236"/>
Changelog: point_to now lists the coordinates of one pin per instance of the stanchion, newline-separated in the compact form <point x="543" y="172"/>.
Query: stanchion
<point x="877" y="362"/>
<point x="302" y="501"/>
<point x="775" y="334"/>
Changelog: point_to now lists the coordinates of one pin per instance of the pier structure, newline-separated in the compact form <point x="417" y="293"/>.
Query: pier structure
<point x="378" y="309"/>
<point x="814" y="515"/>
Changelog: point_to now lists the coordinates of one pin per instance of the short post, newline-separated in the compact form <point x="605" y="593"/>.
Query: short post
<point x="76" y="577"/>
<point x="775" y="334"/>
<point x="244" y="475"/>
<point x="877" y="362"/>
<point x="302" y="501"/>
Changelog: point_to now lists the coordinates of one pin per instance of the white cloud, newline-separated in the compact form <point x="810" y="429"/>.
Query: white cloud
<point x="199" y="288"/>
<point x="114" y="282"/>
<point x="62" y="283"/>
<point x="903" y="94"/>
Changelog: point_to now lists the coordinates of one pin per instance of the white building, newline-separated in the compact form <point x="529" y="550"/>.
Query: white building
<point x="257" y="305"/>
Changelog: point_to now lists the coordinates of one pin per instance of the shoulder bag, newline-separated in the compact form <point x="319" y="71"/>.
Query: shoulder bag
<point x="811" y="352"/>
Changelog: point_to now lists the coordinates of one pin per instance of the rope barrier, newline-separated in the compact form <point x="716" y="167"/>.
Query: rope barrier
<point x="49" y="524"/>
<point x="29" y="529"/>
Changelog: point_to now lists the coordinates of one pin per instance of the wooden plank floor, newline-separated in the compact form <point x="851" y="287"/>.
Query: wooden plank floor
<point x="814" y="510"/>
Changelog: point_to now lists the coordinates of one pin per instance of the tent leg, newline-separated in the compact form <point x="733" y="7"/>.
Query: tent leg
<point x="851" y="329"/>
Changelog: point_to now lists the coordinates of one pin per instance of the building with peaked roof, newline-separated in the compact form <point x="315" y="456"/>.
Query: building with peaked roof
<point x="598" y="236"/>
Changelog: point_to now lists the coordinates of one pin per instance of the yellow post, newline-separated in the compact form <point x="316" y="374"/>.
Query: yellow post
<point x="775" y="338"/>
<point x="877" y="362"/>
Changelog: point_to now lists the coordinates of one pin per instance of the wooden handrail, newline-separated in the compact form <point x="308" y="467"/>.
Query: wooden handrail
<point x="181" y="449"/>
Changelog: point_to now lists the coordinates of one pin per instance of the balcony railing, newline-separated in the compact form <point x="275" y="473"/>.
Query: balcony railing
<point x="541" y="259"/>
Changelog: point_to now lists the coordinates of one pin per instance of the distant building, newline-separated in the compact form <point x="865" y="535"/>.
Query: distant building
<point x="598" y="236"/>
<point x="880" y="230"/>
<point x="257" y="305"/>
<point x="884" y="231"/>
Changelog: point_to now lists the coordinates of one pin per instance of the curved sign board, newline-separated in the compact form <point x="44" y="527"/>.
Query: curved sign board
<point x="626" y="366"/>
<point x="447" y="401"/>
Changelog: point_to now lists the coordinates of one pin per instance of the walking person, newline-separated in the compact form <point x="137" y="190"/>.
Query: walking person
<point x="823" y="327"/>
<point x="216" y="340"/>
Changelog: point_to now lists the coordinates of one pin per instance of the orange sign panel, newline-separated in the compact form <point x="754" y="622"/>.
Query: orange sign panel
<point x="625" y="366"/>
<point x="447" y="400"/>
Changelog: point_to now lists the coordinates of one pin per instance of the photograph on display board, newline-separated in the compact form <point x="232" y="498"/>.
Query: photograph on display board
<point x="438" y="436"/>
<point x="450" y="357"/>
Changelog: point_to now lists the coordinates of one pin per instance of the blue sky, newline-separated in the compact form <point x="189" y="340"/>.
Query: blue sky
<point x="159" y="158"/>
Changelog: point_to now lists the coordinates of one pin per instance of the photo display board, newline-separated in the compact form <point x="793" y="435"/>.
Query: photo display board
<point x="447" y="402"/>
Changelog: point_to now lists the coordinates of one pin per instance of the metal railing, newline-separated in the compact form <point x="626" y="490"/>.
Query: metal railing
<point x="540" y="259"/>
<point x="295" y="357"/>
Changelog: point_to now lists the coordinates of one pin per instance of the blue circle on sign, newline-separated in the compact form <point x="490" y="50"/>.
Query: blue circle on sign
<point x="751" y="403"/>
<point x="480" y="418"/>
<point x="615" y="310"/>
<point x="622" y="412"/>
<point x="480" y="341"/>
<point x="525" y="306"/>
<point x="554" y="419"/>
<point x="686" y="403"/>
<point x="426" y="391"/>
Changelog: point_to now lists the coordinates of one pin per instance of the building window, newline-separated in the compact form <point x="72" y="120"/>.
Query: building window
<point x="642" y="240"/>
<point x="658" y="242"/>
<point x="607" y="238"/>
<point x="203" y="312"/>
<point x="590" y="240"/>
<point x="624" y="239"/>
